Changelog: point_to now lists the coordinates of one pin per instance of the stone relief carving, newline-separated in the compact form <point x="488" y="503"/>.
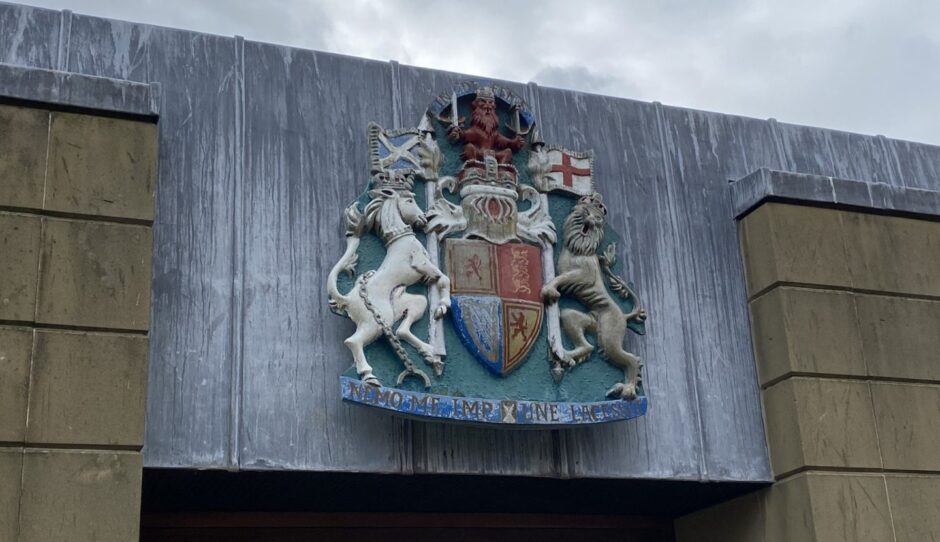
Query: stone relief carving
<point x="483" y="258"/>
<point x="379" y="298"/>
<point x="581" y="274"/>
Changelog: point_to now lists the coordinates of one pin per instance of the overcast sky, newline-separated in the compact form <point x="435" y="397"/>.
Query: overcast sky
<point x="858" y="65"/>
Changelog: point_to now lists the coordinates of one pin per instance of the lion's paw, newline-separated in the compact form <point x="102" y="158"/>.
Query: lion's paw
<point x="550" y="295"/>
<point x="622" y="391"/>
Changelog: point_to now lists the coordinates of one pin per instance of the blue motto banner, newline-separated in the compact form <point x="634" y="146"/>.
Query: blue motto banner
<point x="509" y="412"/>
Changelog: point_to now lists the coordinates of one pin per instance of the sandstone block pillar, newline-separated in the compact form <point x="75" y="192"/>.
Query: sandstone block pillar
<point x="76" y="210"/>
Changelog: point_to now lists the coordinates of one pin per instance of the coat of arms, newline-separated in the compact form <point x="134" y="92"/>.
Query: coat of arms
<point x="481" y="275"/>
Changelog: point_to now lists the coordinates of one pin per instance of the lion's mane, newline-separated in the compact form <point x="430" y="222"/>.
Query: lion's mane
<point x="581" y="236"/>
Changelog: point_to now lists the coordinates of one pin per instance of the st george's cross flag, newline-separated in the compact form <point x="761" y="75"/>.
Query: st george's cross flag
<point x="571" y="171"/>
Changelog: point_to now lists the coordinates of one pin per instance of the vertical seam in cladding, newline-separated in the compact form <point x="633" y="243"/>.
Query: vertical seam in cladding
<point x="156" y="98"/>
<point x="778" y="144"/>
<point x="892" y="167"/>
<point x="406" y="458"/>
<point x="65" y="36"/>
<point x="559" y="436"/>
<point x="238" y="255"/>
<point x="397" y="112"/>
<point x="833" y="171"/>
<point x="693" y="372"/>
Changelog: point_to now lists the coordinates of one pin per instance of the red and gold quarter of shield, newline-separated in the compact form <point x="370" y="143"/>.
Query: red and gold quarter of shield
<point x="498" y="313"/>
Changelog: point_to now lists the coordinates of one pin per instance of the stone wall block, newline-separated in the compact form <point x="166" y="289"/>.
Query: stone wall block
<point x="849" y="507"/>
<point x="95" y="275"/>
<point x="88" y="389"/>
<point x="713" y="525"/>
<point x="19" y="261"/>
<point x="80" y="495"/>
<point x="820" y="423"/>
<point x="893" y="254"/>
<point x="793" y="243"/>
<point x="797" y="330"/>
<point x="11" y="473"/>
<point x="23" y="140"/>
<point x="908" y="418"/>
<point x="808" y="507"/>
<point x="915" y="501"/>
<point x="827" y="508"/>
<point x="788" y="512"/>
<point x="101" y="166"/>
<point x="16" y="346"/>
<point x="900" y="336"/>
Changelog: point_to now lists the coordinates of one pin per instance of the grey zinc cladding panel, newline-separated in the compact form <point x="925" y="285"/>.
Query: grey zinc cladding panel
<point x="190" y="383"/>
<point x="703" y="151"/>
<point x="750" y="191"/>
<point x="296" y="183"/>
<point x="834" y="153"/>
<point x="629" y="171"/>
<point x="917" y="165"/>
<point x="76" y="90"/>
<point x="262" y="145"/>
<point x="29" y="36"/>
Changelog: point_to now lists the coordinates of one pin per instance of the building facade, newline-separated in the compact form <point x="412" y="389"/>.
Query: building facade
<point x="170" y="208"/>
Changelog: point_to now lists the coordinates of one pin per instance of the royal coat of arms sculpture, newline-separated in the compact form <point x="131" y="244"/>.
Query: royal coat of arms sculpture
<point x="481" y="275"/>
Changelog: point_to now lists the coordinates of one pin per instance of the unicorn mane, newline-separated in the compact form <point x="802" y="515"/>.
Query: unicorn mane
<point x="383" y="216"/>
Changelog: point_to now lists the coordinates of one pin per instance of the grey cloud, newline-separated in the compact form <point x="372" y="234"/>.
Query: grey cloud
<point x="860" y="65"/>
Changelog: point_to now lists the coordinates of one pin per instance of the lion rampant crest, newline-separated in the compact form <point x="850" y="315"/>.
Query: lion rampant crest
<point x="582" y="274"/>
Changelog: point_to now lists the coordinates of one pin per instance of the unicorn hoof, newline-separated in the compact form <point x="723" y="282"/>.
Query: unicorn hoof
<point x="371" y="380"/>
<point x="417" y="373"/>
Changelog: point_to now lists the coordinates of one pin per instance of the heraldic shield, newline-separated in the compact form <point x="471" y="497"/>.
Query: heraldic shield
<point x="495" y="290"/>
<point x="481" y="275"/>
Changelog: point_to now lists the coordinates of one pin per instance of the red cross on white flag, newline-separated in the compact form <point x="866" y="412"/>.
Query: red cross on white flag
<point x="570" y="171"/>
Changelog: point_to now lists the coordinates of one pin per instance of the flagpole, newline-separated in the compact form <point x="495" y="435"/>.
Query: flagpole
<point x="552" y="313"/>
<point x="435" y="326"/>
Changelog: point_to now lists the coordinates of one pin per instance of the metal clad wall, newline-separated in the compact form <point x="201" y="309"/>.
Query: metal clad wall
<point x="917" y="165"/>
<point x="29" y="36"/>
<point x="189" y="419"/>
<point x="703" y="151"/>
<point x="261" y="146"/>
<point x="629" y="171"/>
<point x="834" y="153"/>
<point x="297" y="181"/>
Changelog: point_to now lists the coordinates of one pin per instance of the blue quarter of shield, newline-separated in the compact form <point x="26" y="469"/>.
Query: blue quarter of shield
<point x="478" y="322"/>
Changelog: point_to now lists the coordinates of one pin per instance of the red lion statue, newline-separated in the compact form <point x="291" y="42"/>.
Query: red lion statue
<point x="483" y="136"/>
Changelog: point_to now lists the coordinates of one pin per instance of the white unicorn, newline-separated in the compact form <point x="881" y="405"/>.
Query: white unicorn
<point x="379" y="299"/>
